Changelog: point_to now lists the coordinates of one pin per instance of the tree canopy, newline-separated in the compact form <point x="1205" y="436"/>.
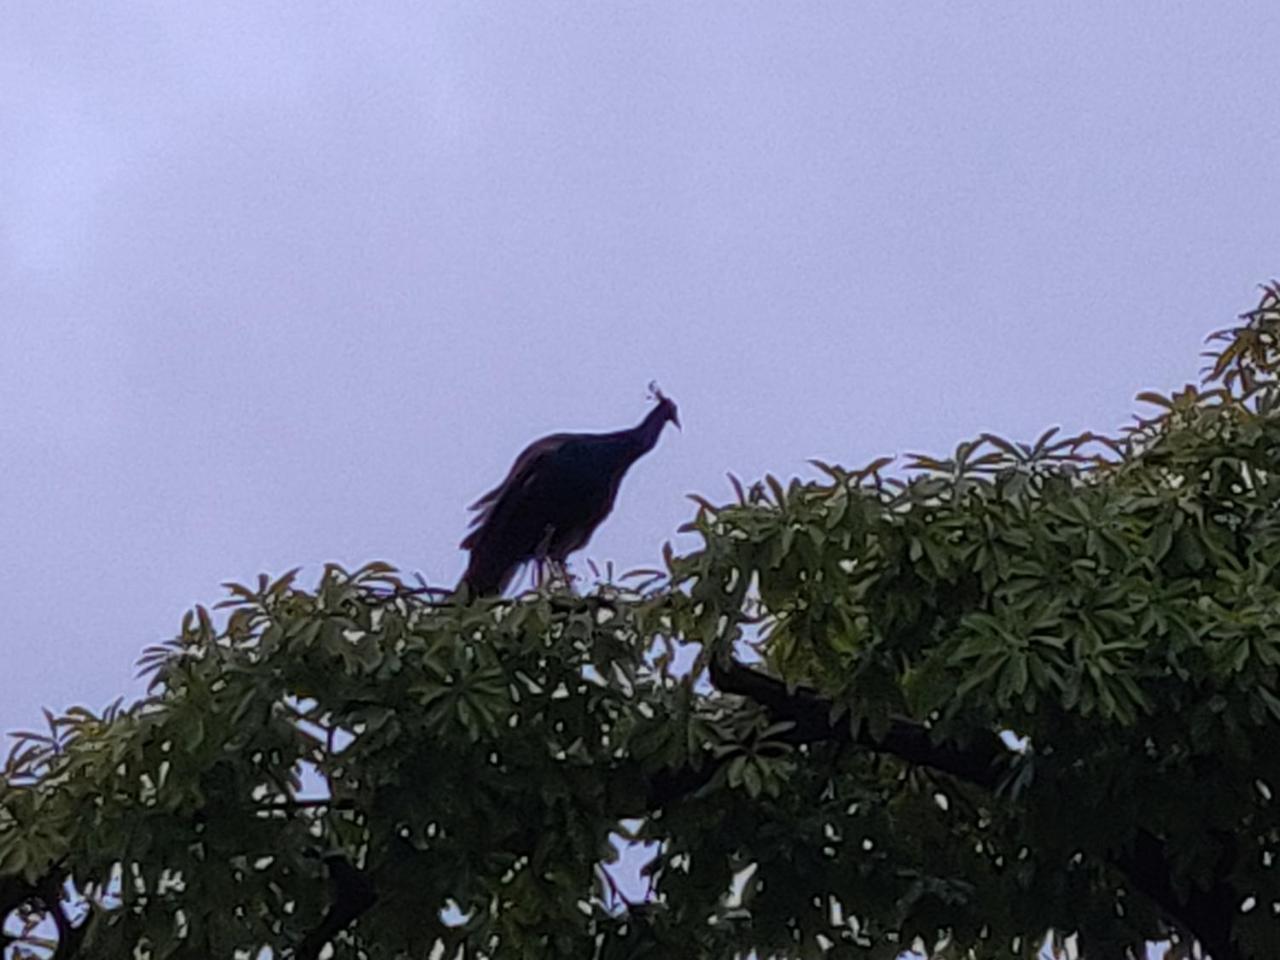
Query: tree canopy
<point x="958" y="701"/>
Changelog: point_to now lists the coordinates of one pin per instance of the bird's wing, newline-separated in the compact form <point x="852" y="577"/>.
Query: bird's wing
<point x="521" y="472"/>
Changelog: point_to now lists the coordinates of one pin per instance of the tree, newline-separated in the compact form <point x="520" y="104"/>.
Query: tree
<point x="834" y="778"/>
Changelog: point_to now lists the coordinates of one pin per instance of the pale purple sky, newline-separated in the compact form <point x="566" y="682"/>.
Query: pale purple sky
<point x="288" y="283"/>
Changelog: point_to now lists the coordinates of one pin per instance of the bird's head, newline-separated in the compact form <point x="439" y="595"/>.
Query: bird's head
<point x="666" y="409"/>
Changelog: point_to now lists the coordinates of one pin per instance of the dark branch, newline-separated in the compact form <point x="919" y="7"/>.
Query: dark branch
<point x="69" y="937"/>
<point x="313" y="803"/>
<point x="352" y="894"/>
<point x="46" y="895"/>
<point x="1205" y="914"/>
<point x="14" y="892"/>
<point x="978" y="763"/>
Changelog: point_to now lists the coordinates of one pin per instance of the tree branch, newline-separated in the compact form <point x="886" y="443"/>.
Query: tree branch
<point x="46" y="893"/>
<point x="14" y="892"/>
<point x="352" y="895"/>
<point x="977" y="763"/>
<point x="1205" y="914"/>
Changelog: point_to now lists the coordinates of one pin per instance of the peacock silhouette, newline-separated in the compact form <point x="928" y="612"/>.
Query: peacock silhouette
<point x="556" y="494"/>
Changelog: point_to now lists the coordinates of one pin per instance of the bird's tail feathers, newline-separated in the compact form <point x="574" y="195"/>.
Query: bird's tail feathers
<point x="485" y="579"/>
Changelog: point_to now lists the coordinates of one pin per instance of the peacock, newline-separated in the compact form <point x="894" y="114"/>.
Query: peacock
<point x="558" y="491"/>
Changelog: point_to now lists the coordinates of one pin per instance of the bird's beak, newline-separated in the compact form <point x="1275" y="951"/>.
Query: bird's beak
<point x="675" y="418"/>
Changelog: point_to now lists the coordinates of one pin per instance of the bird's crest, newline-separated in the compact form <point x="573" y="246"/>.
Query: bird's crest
<point x="668" y="405"/>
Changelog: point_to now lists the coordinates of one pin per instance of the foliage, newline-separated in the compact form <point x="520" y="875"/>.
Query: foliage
<point x="1113" y="599"/>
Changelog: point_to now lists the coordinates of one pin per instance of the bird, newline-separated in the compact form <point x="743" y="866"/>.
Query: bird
<point x="556" y="494"/>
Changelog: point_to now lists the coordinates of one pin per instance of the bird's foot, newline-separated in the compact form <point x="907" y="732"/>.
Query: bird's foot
<point x="558" y="575"/>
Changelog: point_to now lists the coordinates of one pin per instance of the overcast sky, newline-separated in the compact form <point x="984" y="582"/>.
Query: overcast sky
<point x="288" y="283"/>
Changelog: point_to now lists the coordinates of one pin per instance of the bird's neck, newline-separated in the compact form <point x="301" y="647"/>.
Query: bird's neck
<point x="646" y="433"/>
<point x="630" y="445"/>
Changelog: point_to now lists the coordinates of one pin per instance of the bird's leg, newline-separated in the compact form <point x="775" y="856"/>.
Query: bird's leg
<point x="541" y="562"/>
<point x="560" y="571"/>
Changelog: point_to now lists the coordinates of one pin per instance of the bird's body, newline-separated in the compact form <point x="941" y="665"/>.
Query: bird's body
<point x="559" y="490"/>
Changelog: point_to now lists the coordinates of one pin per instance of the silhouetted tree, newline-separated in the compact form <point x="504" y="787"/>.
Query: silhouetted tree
<point x="1114" y="600"/>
